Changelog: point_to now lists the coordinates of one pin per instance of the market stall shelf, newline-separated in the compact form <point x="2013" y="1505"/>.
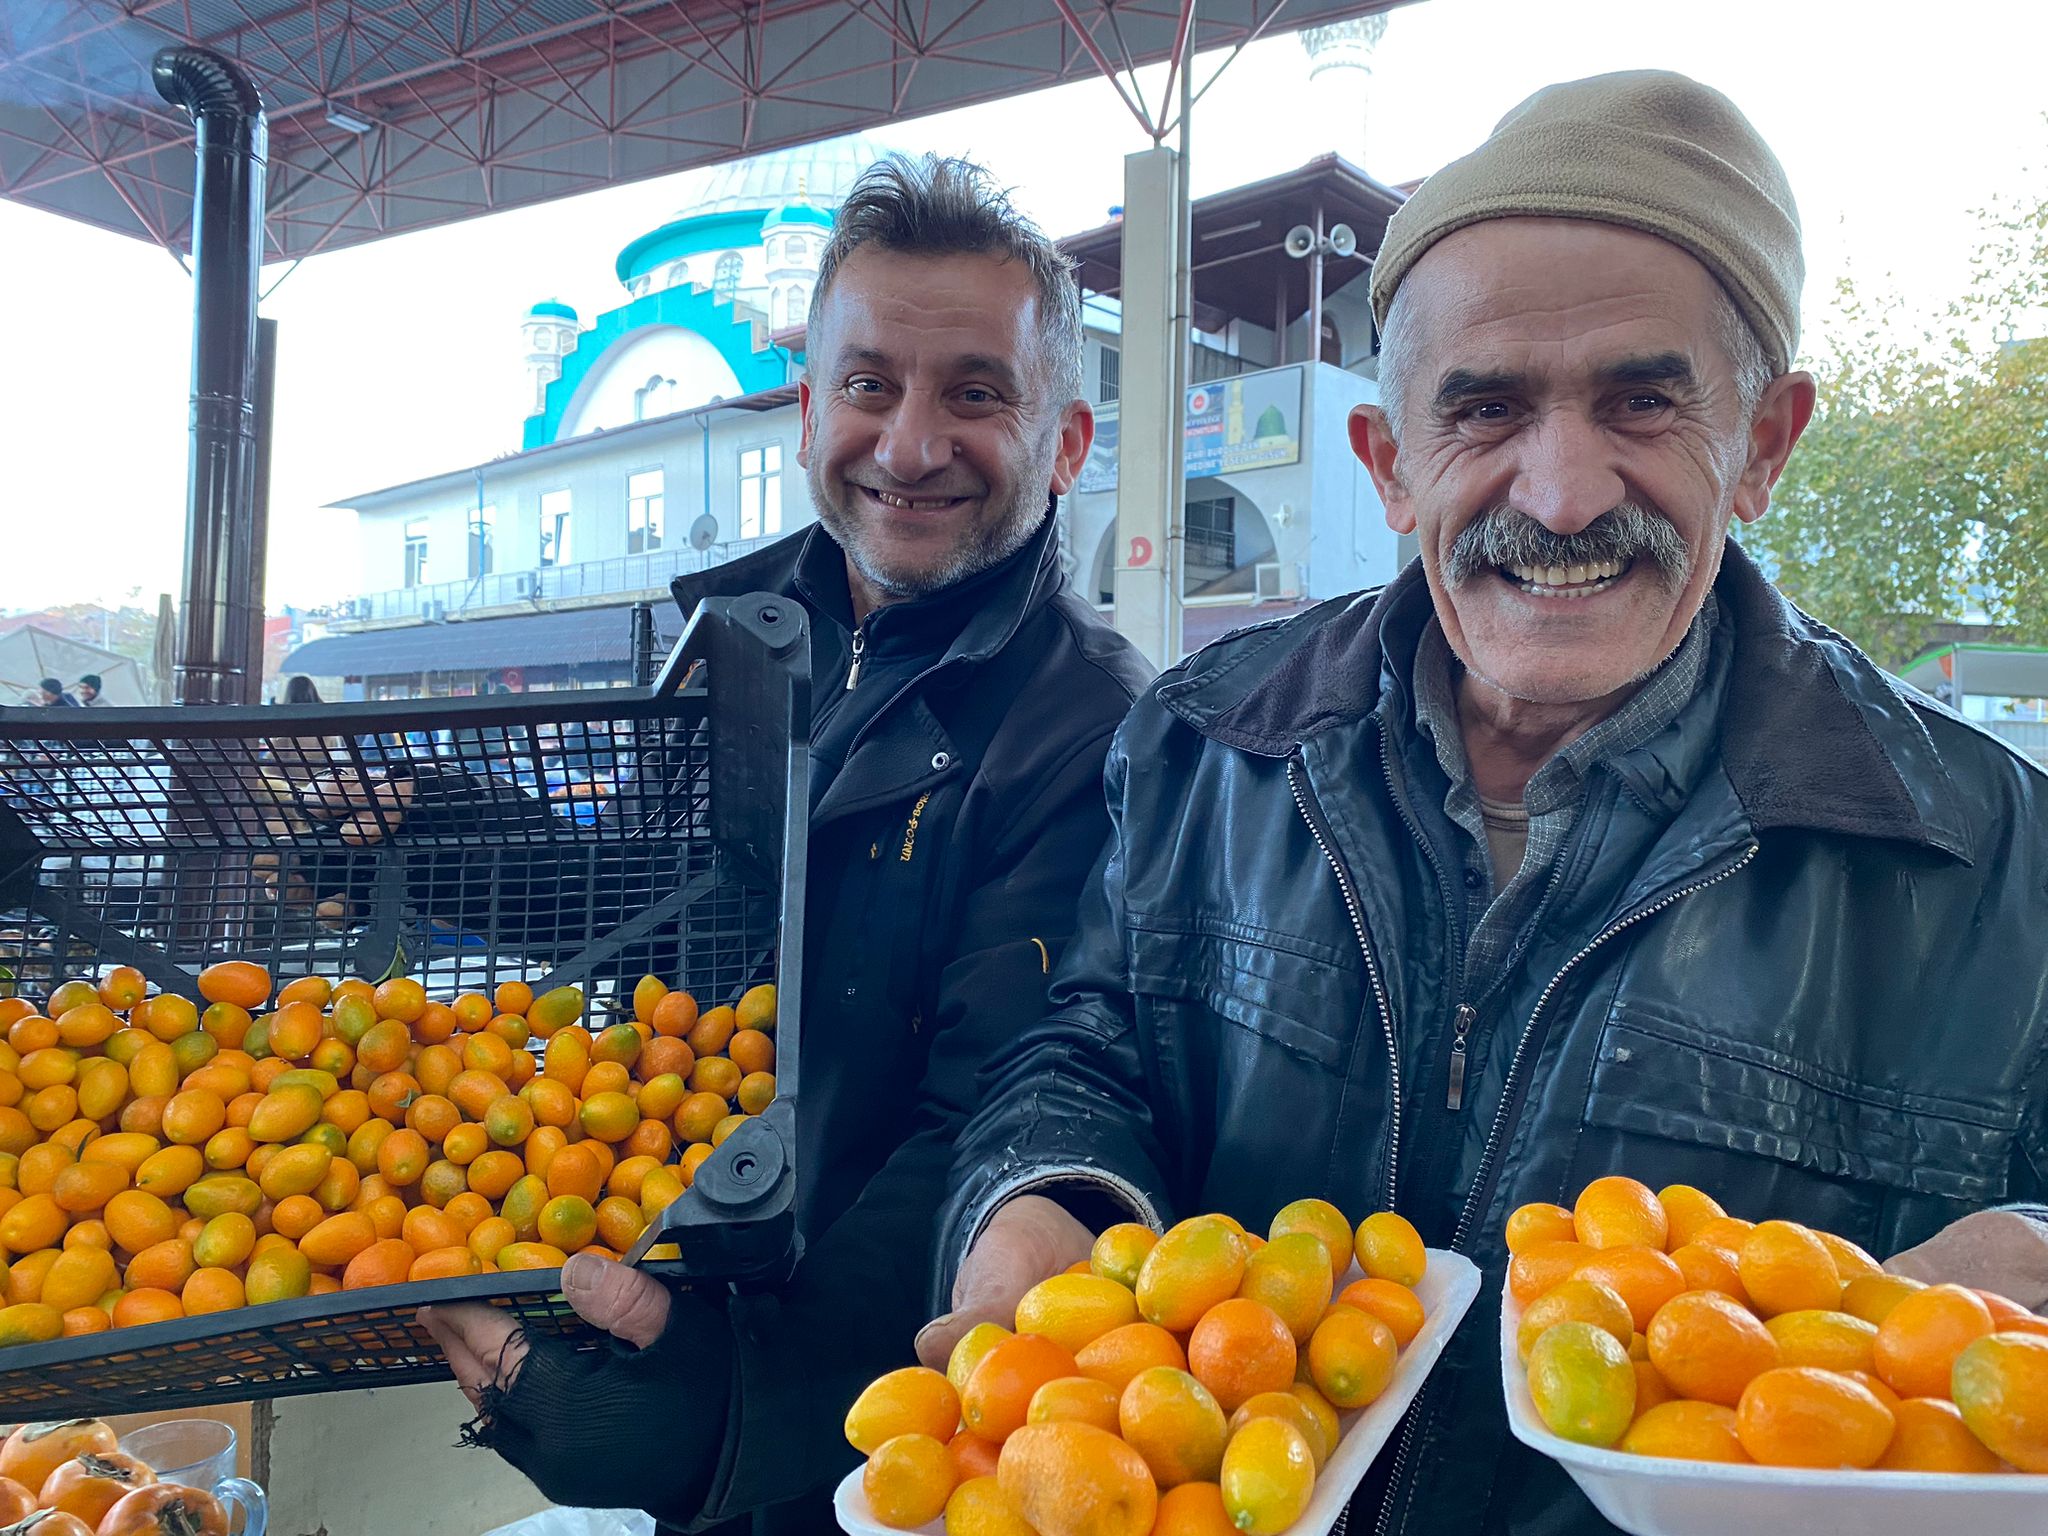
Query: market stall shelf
<point x="582" y="851"/>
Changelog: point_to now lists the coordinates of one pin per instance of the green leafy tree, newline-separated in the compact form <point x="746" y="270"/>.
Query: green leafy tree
<point x="1920" y="492"/>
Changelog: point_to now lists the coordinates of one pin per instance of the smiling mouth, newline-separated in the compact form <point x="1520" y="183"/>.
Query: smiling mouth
<point x="900" y="503"/>
<point x="1566" y="581"/>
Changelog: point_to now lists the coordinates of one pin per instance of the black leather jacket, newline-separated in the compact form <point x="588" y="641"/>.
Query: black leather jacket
<point x="1821" y="995"/>
<point x="945" y="861"/>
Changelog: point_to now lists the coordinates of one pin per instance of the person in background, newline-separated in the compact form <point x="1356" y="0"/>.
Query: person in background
<point x="52" y="695"/>
<point x="89" y="690"/>
<point x="300" y="690"/>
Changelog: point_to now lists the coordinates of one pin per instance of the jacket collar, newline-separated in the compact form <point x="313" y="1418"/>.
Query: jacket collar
<point x="1813" y="735"/>
<point x="987" y="608"/>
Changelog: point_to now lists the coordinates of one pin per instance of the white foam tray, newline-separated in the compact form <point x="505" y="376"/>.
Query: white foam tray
<point x="1448" y="1287"/>
<point x="1657" y="1496"/>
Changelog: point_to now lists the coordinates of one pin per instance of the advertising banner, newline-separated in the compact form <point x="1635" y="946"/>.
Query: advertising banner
<point x="1249" y="422"/>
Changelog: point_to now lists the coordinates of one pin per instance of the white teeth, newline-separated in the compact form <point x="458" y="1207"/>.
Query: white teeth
<point x="1566" y="580"/>
<point x="888" y="500"/>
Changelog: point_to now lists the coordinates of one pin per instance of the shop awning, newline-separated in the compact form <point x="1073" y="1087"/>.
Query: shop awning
<point x="576" y="637"/>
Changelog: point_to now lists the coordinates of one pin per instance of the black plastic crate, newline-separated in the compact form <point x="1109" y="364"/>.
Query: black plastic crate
<point x="335" y="1343"/>
<point x="582" y="838"/>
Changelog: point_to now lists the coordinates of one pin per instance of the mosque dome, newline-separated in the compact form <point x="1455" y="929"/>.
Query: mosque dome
<point x="723" y="207"/>
<point x="553" y="309"/>
<point x="798" y="213"/>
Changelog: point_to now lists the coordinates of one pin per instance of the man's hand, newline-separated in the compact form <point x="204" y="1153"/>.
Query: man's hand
<point x="2001" y="1251"/>
<point x="368" y="808"/>
<point x="1028" y="1240"/>
<point x="484" y="1344"/>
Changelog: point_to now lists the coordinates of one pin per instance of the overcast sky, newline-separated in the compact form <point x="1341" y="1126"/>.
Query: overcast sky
<point x="402" y="358"/>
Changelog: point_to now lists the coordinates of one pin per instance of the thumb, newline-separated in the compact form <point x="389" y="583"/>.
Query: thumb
<point x="984" y="1297"/>
<point x="625" y="1302"/>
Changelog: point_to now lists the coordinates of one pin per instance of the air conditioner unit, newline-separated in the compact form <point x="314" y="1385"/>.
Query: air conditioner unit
<point x="433" y="613"/>
<point x="526" y="584"/>
<point x="1277" y="582"/>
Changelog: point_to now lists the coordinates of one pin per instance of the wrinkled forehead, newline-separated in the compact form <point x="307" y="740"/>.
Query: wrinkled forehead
<point x="1562" y="292"/>
<point x="934" y="309"/>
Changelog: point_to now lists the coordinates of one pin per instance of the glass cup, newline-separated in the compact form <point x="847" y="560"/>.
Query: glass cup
<point x="200" y="1453"/>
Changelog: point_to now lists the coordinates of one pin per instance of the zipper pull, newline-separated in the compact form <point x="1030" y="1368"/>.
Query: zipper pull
<point x="1462" y="1023"/>
<point x="860" y="646"/>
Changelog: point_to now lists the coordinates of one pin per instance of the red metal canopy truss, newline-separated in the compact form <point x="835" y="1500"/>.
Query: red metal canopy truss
<point x="395" y="115"/>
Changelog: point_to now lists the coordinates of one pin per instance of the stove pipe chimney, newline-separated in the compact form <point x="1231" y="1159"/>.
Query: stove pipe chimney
<point x="222" y="547"/>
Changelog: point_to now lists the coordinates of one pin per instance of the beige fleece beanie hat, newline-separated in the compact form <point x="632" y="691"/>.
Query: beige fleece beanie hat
<point x="1647" y="149"/>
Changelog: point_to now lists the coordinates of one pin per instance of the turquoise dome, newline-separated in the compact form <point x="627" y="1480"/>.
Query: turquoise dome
<point x="554" y="309"/>
<point x="798" y="213"/>
<point x="722" y="207"/>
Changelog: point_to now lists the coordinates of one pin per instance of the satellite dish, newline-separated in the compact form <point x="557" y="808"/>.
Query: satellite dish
<point x="1342" y="241"/>
<point x="1300" y="240"/>
<point x="704" y="532"/>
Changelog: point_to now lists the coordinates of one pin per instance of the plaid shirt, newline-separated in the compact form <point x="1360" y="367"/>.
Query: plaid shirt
<point x="1499" y="924"/>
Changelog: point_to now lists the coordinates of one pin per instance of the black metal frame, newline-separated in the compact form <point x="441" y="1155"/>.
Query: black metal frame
<point x="719" y="828"/>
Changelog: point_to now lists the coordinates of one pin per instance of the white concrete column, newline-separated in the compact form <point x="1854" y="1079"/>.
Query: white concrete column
<point x="1150" y="487"/>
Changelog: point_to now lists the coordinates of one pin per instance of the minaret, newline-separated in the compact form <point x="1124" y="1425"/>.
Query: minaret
<point x="549" y="331"/>
<point x="793" y="239"/>
<point x="1340" y="78"/>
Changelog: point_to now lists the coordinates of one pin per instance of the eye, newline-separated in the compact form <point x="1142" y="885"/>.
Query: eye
<point x="1488" y="410"/>
<point x="864" y="384"/>
<point x="1643" y="401"/>
<point x="979" y="394"/>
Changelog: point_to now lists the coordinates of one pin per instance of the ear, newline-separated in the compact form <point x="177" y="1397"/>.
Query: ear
<point x="1077" y="432"/>
<point x="1372" y="439"/>
<point x="804" y="401"/>
<point x="1781" y="416"/>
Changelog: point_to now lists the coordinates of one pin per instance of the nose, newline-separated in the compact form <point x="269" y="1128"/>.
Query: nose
<point x="1566" y="477"/>
<point x="917" y="440"/>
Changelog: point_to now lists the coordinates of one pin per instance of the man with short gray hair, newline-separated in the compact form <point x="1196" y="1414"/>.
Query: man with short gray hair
<point x="1575" y="851"/>
<point x="963" y="699"/>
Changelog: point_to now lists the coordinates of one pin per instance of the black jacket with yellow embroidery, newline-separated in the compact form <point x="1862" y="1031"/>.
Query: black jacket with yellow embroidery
<point x="962" y="812"/>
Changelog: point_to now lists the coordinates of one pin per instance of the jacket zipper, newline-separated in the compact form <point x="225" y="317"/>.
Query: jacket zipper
<point x="860" y="647"/>
<point x="1461" y="1028"/>
<point x="1465" y="1016"/>
<point x="1304" y="801"/>
<point x="1476" y="1199"/>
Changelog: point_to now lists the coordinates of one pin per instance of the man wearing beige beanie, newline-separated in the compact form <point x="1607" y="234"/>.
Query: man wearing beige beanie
<point x="1575" y="851"/>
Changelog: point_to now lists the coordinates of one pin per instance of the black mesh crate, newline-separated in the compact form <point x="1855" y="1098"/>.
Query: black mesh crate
<point x="574" y="838"/>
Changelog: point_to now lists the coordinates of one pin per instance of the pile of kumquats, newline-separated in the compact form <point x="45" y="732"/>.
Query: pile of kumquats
<point x="1659" y="1324"/>
<point x="160" y="1160"/>
<point x="71" y="1478"/>
<point x="1181" y="1385"/>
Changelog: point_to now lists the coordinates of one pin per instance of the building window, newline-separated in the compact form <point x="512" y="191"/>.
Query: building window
<point x="654" y="398"/>
<point x="794" y="248"/>
<point x="1109" y="375"/>
<point x="643" y="511"/>
<point x="1211" y="541"/>
<point x="483" y="522"/>
<point x="761" y="491"/>
<point x="554" y="528"/>
<point x="416" y="552"/>
<point x="725" y="277"/>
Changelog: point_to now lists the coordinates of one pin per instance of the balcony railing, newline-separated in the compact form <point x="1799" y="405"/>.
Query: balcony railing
<point x="620" y="575"/>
